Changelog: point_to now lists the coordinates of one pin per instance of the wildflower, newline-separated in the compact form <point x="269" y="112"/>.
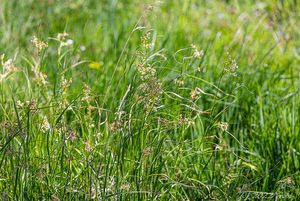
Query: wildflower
<point x="82" y="48"/>
<point x="69" y="42"/>
<point x="39" y="44"/>
<point x="223" y="126"/>
<point x="95" y="65"/>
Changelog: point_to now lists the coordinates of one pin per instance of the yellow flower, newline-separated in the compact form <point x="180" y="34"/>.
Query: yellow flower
<point x="95" y="65"/>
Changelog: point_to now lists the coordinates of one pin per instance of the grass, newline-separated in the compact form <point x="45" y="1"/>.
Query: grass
<point x="134" y="100"/>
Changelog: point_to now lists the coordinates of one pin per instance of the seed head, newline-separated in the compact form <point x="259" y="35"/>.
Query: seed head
<point x="45" y="125"/>
<point x="289" y="181"/>
<point x="194" y="94"/>
<point x="31" y="105"/>
<point x="230" y="65"/>
<point x="115" y="126"/>
<point x="86" y="93"/>
<point x="145" y="40"/>
<point x="178" y="82"/>
<point x="55" y="198"/>
<point x="41" y="78"/>
<point x="39" y="44"/>
<point x="88" y="146"/>
<point x="146" y="73"/>
<point x="65" y="83"/>
<point x="8" y="67"/>
<point x="125" y="187"/>
<point x="148" y="151"/>
<point x="72" y="136"/>
<point x="62" y="36"/>
<point x="197" y="53"/>
<point x="223" y="126"/>
<point x="183" y="121"/>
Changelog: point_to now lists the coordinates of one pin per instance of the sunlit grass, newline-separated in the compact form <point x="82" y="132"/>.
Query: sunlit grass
<point x="133" y="100"/>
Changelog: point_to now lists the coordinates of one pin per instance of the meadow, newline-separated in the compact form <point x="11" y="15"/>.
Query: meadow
<point x="149" y="100"/>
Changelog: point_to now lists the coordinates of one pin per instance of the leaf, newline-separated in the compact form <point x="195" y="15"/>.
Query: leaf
<point x="253" y="167"/>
